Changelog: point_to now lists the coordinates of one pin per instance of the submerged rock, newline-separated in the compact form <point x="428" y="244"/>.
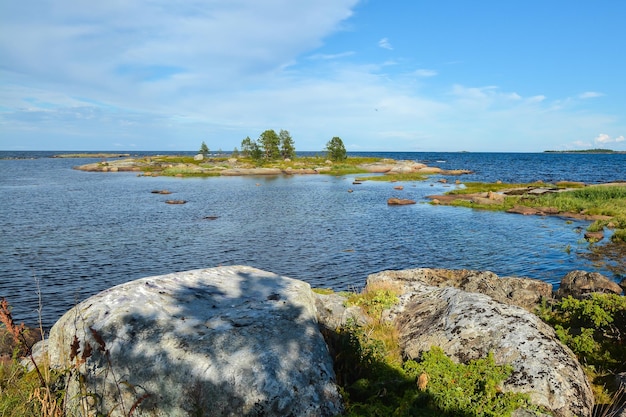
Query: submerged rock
<point x="228" y="341"/>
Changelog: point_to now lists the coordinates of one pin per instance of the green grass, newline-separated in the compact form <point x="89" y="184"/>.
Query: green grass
<point x="591" y="200"/>
<point x="483" y="187"/>
<point x="413" y="176"/>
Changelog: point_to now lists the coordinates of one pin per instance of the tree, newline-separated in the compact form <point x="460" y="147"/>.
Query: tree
<point x="287" y="146"/>
<point x="335" y="149"/>
<point x="256" y="152"/>
<point x="204" y="150"/>
<point x="246" y="146"/>
<point x="235" y="153"/>
<point x="269" y="142"/>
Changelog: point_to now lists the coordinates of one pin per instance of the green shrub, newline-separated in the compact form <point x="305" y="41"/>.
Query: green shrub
<point x="595" y="330"/>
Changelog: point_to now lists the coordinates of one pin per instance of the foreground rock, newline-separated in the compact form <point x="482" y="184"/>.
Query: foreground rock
<point x="227" y="341"/>
<point x="522" y="292"/>
<point x="580" y="284"/>
<point x="469" y="325"/>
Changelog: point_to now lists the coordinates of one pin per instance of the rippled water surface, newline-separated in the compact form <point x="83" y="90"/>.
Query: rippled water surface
<point x="77" y="233"/>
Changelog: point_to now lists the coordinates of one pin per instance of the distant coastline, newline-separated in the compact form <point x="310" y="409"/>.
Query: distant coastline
<point x="588" y="151"/>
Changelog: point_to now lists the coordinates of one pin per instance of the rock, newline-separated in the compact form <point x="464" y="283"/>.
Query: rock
<point x="579" y="284"/>
<point x="594" y="236"/>
<point x="300" y="171"/>
<point x="522" y="292"/>
<point x="227" y="341"/>
<point x="175" y="201"/>
<point x="469" y="326"/>
<point x="161" y="192"/>
<point x="399" y="201"/>
<point x="484" y="201"/>
<point x="251" y="171"/>
<point x="495" y="196"/>
<point x="198" y="157"/>
<point x="526" y="211"/>
<point x="332" y="312"/>
<point x="398" y="187"/>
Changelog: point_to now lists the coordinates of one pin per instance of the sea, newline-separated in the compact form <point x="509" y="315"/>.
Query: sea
<point x="67" y="234"/>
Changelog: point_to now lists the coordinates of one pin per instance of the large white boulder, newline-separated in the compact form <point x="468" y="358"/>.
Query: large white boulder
<point x="227" y="341"/>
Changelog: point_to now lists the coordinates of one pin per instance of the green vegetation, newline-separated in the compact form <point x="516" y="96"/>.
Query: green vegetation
<point x="407" y="176"/>
<point x="595" y="330"/>
<point x="594" y="200"/>
<point x="376" y="381"/>
<point x="335" y="149"/>
<point x="204" y="149"/>
<point x="599" y="150"/>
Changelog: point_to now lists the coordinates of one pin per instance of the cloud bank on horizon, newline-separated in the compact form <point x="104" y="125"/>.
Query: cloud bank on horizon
<point x="400" y="76"/>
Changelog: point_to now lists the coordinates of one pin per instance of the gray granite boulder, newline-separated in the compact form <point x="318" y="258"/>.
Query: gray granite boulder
<point x="469" y="326"/>
<point x="227" y="341"/>
<point x="522" y="292"/>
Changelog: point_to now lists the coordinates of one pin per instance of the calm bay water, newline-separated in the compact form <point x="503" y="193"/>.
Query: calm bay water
<point x="74" y="233"/>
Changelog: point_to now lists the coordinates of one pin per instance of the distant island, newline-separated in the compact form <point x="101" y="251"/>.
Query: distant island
<point x="588" y="151"/>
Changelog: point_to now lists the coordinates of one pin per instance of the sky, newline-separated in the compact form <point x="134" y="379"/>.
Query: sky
<point x="383" y="75"/>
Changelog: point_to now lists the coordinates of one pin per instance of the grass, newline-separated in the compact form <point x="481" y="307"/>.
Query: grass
<point x="412" y="176"/>
<point x="595" y="200"/>
<point x="376" y="381"/>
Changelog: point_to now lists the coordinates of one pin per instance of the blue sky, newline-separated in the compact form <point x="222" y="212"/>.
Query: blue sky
<point x="395" y="75"/>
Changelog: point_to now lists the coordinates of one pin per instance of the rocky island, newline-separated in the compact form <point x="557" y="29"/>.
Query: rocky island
<point x="228" y="166"/>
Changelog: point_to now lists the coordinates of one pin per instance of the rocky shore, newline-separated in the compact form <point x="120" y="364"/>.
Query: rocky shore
<point x="241" y="341"/>
<point x="153" y="166"/>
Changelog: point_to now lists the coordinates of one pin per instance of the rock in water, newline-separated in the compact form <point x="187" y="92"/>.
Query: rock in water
<point x="470" y="325"/>
<point x="228" y="341"/>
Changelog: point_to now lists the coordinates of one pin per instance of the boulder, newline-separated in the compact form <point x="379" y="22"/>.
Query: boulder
<point x="580" y="284"/>
<point x="332" y="312"/>
<point x="399" y="201"/>
<point x="198" y="157"/>
<point x="522" y="292"/>
<point x="227" y="341"/>
<point x="469" y="326"/>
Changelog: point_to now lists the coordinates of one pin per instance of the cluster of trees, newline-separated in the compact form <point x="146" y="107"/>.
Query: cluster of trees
<point x="271" y="146"/>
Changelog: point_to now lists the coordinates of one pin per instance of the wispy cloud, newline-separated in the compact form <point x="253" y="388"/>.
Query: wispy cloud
<point x="327" y="57"/>
<point x="425" y="73"/>
<point x="384" y="43"/>
<point x="590" y="94"/>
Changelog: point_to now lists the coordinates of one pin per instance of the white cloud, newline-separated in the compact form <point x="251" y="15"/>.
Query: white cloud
<point x="384" y="43"/>
<point x="603" y="138"/>
<point x="590" y="94"/>
<point x="425" y="73"/>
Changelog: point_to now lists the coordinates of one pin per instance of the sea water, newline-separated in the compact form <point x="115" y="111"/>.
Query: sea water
<point x="68" y="234"/>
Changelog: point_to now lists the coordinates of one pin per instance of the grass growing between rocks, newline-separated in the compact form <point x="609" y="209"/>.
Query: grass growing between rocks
<point x="376" y="381"/>
<point x="409" y="176"/>
<point x="595" y="330"/>
<point x="594" y="200"/>
<point x="187" y="166"/>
